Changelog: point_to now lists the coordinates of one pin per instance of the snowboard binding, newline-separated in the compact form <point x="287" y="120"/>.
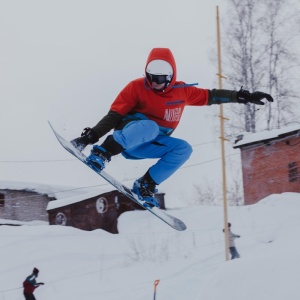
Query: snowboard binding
<point x="145" y="192"/>
<point x="99" y="157"/>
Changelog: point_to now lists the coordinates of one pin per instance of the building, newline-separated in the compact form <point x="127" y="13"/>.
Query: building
<point x="270" y="162"/>
<point x="23" y="201"/>
<point x="86" y="209"/>
<point x="94" y="210"/>
<point x="98" y="209"/>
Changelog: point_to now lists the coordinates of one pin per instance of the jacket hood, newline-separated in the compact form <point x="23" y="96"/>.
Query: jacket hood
<point x="166" y="55"/>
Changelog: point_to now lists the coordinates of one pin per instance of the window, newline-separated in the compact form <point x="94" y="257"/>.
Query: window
<point x="293" y="171"/>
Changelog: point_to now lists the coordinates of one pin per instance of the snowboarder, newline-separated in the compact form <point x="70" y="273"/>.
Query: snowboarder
<point x="145" y="114"/>
<point x="231" y="243"/>
<point x="30" y="284"/>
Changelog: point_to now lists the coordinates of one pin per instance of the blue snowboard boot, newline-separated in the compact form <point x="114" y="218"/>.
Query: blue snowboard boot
<point x="145" y="191"/>
<point x="99" y="157"/>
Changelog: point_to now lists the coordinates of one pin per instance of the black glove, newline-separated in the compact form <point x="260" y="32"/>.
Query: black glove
<point x="41" y="283"/>
<point x="245" y="97"/>
<point x="238" y="236"/>
<point x="88" y="137"/>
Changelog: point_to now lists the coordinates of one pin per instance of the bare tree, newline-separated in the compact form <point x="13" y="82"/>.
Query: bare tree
<point x="210" y="194"/>
<point x="206" y="195"/>
<point x="235" y="193"/>
<point x="279" y="26"/>
<point x="258" y="56"/>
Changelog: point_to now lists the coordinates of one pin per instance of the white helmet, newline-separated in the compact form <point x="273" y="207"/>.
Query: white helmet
<point x="159" y="67"/>
<point x="159" y="71"/>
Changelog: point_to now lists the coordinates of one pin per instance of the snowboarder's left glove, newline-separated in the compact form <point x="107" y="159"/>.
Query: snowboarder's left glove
<point x="88" y="137"/>
<point x="245" y="97"/>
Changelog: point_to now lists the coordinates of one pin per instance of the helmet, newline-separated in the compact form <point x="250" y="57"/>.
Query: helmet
<point x="159" y="67"/>
<point x="159" y="71"/>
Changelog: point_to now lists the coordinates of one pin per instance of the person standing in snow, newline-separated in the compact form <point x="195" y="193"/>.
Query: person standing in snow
<point x="146" y="113"/>
<point x="231" y="243"/>
<point x="30" y="284"/>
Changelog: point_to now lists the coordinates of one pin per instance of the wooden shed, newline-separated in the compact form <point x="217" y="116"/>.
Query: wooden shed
<point x="98" y="209"/>
<point x="270" y="162"/>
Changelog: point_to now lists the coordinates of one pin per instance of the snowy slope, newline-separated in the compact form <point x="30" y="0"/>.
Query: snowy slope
<point x="76" y="264"/>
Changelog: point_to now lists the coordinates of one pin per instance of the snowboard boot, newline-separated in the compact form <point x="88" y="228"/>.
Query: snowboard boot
<point x="100" y="155"/>
<point x="145" y="188"/>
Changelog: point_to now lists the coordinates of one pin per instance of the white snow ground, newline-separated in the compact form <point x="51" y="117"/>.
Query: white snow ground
<point x="78" y="265"/>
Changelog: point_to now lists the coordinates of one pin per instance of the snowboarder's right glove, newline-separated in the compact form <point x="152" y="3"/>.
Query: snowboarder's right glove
<point x="88" y="137"/>
<point x="245" y="97"/>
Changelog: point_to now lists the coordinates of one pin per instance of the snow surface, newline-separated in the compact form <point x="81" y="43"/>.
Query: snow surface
<point x="248" y="138"/>
<point x="78" y="265"/>
<point x="60" y="202"/>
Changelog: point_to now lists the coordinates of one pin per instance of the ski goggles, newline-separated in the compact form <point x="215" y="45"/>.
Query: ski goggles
<point x="159" y="79"/>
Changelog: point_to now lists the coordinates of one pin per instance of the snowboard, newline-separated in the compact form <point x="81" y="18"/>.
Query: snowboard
<point x="162" y="215"/>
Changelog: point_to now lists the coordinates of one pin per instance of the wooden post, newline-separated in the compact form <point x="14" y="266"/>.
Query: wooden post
<point x="222" y="138"/>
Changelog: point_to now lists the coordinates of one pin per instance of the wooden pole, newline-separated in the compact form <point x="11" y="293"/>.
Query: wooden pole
<point x="222" y="138"/>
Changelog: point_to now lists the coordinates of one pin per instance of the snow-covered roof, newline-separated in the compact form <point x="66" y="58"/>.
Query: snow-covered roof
<point x="89" y="193"/>
<point x="50" y="190"/>
<point x="250" y="138"/>
<point x="65" y="195"/>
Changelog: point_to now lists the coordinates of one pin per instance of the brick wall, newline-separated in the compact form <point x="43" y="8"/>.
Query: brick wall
<point x="271" y="168"/>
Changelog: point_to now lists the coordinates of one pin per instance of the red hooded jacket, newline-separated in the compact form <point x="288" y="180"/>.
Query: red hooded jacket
<point x="165" y="107"/>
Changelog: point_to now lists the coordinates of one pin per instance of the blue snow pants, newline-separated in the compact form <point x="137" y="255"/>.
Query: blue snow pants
<point x="142" y="139"/>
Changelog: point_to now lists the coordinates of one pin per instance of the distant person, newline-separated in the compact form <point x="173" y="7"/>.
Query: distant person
<point x="145" y="114"/>
<point x="231" y="243"/>
<point x="30" y="285"/>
